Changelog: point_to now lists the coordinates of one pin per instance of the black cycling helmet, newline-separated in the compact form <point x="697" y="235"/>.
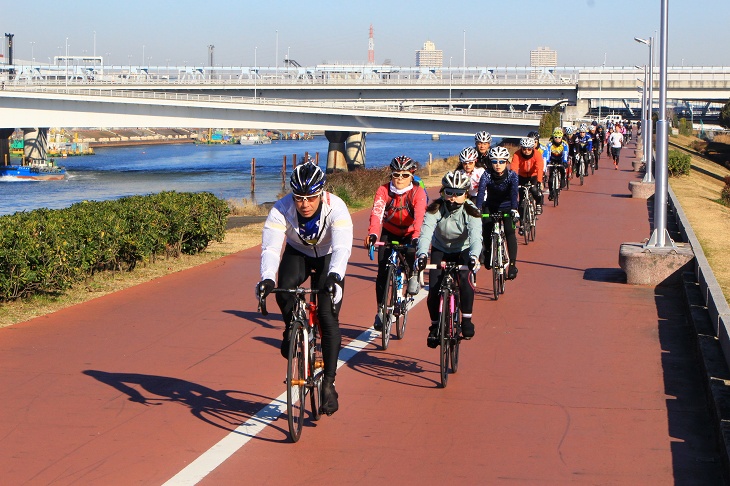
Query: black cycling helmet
<point x="307" y="179"/>
<point x="402" y="163"/>
<point x="533" y="134"/>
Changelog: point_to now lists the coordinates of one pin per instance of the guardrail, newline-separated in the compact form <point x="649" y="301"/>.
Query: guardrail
<point x="385" y="105"/>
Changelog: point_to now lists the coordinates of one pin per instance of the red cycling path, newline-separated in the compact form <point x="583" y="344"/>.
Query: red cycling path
<point x="573" y="376"/>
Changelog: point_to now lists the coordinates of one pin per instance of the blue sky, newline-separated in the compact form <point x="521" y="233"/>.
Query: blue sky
<point x="584" y="32"/>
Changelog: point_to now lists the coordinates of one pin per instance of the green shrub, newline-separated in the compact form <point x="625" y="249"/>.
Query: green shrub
<point x="678" y="163"/>
<point x="47" y="251"/>
<point x="357" y="188"/>
<point x="685" y="127"/>
<point x="725" y="193"/>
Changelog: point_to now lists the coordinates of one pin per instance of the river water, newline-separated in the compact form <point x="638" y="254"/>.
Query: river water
<point x="223" y="170"/>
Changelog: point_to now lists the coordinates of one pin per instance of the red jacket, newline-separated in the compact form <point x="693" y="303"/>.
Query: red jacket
<point x="527" y="167"/>
<point x="401" y="214"/>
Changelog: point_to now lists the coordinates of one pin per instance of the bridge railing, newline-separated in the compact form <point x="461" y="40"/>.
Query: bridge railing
<point x="370" y="105"/>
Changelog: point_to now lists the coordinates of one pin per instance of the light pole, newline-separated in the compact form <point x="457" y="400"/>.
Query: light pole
<point x="276" y="56"/>
<point x="644" y="111"/>
<point x="255" y="71"/>
<point x="32" y="56"/>
<point x="660" y="238"/>
<point x="649" y="128"/>
<point x="66" y="57"/>
<point x="94" y="43"/>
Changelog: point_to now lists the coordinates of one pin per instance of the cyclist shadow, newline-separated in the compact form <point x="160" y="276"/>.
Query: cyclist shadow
<point x="220" y="408"/>
<point x="400" y="369"/>
<point x="256" y="317"/>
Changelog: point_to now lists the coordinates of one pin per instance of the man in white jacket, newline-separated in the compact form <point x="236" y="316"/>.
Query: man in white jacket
<point x="317" y="229"/>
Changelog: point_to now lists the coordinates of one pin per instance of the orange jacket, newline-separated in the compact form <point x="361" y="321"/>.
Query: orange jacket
<point x="527" y="167"/>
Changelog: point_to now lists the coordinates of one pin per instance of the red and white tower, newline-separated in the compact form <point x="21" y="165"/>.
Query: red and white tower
<point x="371" y="47"/>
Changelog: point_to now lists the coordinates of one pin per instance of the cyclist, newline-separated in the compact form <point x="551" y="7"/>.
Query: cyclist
<point x="470" y="165"/>
<point x="542" y="151"/>
<point x="482" y="142"/>
<point x="452" y="228"/>
<point x="528" y="164"/>
<point x="317" y="229"/>
<point x="397" y="215"/>
<point x="598" y="142"/>
<point x="616" y="141"/>
<point x="583" y="145"/>
<point x="498" y="191"/>
<point x="557" y="155"/>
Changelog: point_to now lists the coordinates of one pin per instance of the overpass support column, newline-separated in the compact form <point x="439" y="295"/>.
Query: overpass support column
<point x="336" y="158"/>
<point x="36" y="144"/>
<point x="5" y="134"/>
<point x="355" y="147"/>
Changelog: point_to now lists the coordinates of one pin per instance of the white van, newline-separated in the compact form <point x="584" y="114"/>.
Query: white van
<point x="612" y="119"/>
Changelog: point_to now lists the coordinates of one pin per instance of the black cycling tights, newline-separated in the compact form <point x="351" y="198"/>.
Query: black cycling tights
<point x="383" y="254"/>
<point x="294" y="269"/>
<point x="535" y="190"/>
<point x="466" y="291"/>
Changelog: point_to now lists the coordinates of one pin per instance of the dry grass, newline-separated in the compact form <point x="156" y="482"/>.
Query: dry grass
<point x="246" y="207"/>
<point x="699" y="196"/>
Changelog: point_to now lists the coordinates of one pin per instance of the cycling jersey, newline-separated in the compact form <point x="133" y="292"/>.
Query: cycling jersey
<point x="557" y="152"/>
<point x="583" y="143"/>
<point x="498" y="192"/>
<point x="398" y="212"/>
<point x="474" y="177"/>
<point x="330" y="233"/>
<point x="528" y="166"/>
<point x="451" y="232"/>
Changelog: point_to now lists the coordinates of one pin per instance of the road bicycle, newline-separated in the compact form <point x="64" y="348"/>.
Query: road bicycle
<point x="555" y="181"/>
<point x="305" y="366"/>
<point x="396" y="301"/>
<point x="449" y="317"/>
<point x="498" y="254"/>
<point x="528" y="213"/>
<point x="581" y="165"/>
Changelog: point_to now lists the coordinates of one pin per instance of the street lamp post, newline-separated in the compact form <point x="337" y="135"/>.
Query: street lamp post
<point x="255" y="71"/>
<point x="649" y="128"/>
<point x="450" y="80"/>
<point x="644" y="111"/>
<point x="660" y="238"/>
<point x="32" y="55"/>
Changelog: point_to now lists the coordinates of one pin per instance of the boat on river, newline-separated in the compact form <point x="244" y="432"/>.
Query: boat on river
<point x="36" y="171"/>
<point x="253" y="139"/>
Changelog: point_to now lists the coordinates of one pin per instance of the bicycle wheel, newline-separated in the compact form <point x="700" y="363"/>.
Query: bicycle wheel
<point x="316" y="367"/>
<point x="593" y="164"/>
<point x="525" y="221"/>
<point x="445" y="321"/>
<point x="504" y="263"/>
<point x="296" y="379"/>
<point x="582" y="170"/>
<point x="496" y="262"/>
<point x="454" y="340"/>
<point x="400" y="323"/>
<point x="387" y="305"/>
<point x="556" y="186"/>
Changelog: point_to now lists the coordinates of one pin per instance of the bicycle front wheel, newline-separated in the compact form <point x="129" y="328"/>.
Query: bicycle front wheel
<point x="296" y="381"/>
<point x="400" y="323"/>
<point x="454" y="341"/>
<point x="496" y="267"/>
<point x="444" y="325"/>
<point x="525" y="221"/>
<point x="387" y="305"/>
<point x="316" y="367"/>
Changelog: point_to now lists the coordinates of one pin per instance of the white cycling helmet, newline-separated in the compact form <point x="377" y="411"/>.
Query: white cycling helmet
<point x="583" y="127"/>
<point x="469" y="154"/>
<point x="484" y="137"/>
<point x="527" y="142"/>
<point x="499" y="153"/>
<point x="456" y="179"/>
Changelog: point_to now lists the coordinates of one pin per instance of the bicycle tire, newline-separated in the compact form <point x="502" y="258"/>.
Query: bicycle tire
<point x="505" y="266"/>
<point x="496" y="262"/>
<point x="533" y="231"/>
<point x="444" y="319"/>
<point x="295" y="381"/>
<point x="582" y="170"/>
<point x="317" y="373"/>
<point x="454" y="339"/>
<point x="525" y="222"/>
<point x="400" y="323"/>
<point x="593" y="163"/>
<point x="388" y="301"/>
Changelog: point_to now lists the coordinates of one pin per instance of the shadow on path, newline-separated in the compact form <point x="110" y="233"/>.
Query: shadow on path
<point x="225" y="409"/>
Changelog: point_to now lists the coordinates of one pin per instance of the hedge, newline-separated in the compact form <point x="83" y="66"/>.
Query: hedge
<point x="47" y="251"/>
<point x="678" y="163"/>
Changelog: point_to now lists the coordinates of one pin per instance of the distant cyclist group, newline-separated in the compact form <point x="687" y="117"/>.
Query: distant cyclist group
<point x="483" y="203"/>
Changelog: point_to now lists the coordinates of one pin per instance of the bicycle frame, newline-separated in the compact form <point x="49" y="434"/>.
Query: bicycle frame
<point x="396" y="307"/>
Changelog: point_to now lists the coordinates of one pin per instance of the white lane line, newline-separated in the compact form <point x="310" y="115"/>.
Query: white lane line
<point x="207" y="462"/>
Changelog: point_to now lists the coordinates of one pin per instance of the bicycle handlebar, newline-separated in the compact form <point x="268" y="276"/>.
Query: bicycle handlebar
<point x="393" y="244"/>
<point x="298" y="291"/>
<point x="442" y="266"/>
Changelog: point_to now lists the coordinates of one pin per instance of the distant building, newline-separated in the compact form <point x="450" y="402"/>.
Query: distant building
<point x="429" y="56"/>
<point x="543" y="57"/>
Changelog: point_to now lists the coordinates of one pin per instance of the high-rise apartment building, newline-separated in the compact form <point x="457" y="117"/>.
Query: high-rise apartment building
<point x="543" y="57"/>
<point x="429" y="56"/>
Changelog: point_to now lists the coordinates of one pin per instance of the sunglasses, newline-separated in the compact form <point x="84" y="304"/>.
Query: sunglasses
<point x="400" y="175"/>
<point x="469" y="162"/>
<point x="453" y="193"/>
<point x="499" y="162"/>
<point x="307" y="198"/>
